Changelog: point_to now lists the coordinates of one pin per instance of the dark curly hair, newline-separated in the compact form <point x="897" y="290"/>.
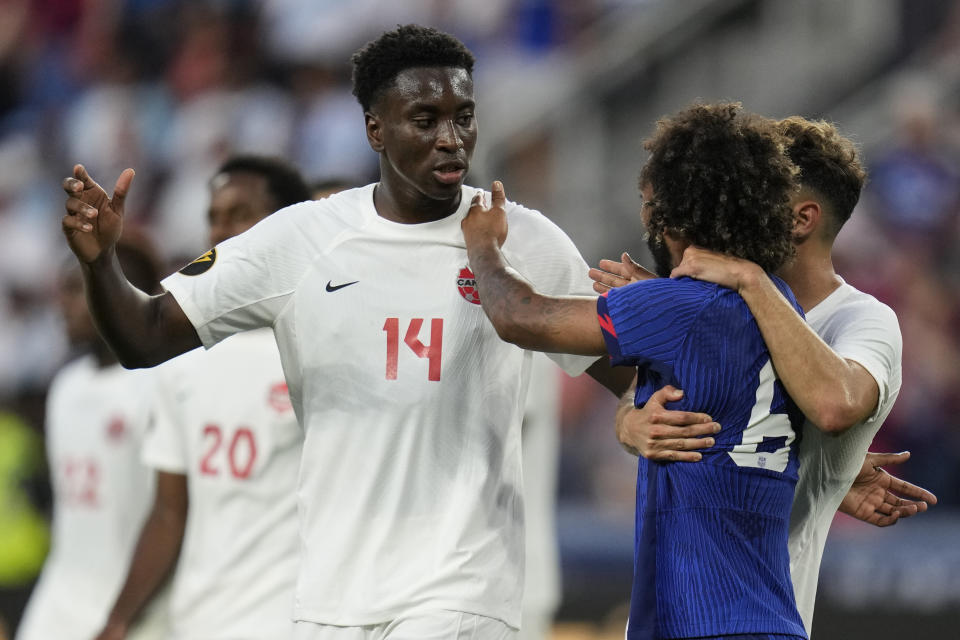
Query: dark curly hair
<point x="376" y="64"/>
<point x="722" y="180"/>
<point x="829" y="164"/>
<point x="285" y="184"/>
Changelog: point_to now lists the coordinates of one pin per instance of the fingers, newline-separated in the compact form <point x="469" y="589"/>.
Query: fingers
<point x="603" y="281"/>
<point x="498" y="197"/>
<point x="477" y="200"/>
<point x="912" y="491"/>
<point x="80" y="173"/>
<point x="883" y="459"/>
<point x="121" y="189"/>
<point x="72" y="224"/>
<point x="77" y="207"/>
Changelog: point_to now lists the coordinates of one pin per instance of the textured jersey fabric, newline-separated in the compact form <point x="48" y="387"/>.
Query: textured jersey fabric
<point x="711" y="537"/>
<point x="860" y="328"/>
<point x="224" y="419"/>
<point x="410" y="491"/>
<point x="95" y="424"/>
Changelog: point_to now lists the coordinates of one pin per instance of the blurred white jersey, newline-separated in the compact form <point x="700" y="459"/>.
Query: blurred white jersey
<point x="95" y="425"/>
<point x="541" y="455"/>
<point x="860" y="328"/>
<point x="224" y="420"/>
<point x="410" y="491"/>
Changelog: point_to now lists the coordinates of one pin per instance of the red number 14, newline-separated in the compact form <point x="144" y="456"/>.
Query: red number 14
<point x="431" y="352"/>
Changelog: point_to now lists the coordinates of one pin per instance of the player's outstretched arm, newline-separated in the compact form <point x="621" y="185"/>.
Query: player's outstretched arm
<point x="832" y="392"/>
<point x="155" y="555"/>
<point x="661" y="434"/>
<point x="881" y="499"/>
<point x="556" y="324"/>
<point x="142" y="330"/>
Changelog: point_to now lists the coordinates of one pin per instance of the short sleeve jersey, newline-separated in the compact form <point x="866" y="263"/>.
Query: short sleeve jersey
<point x="410" y="491"/>
<point x="860" y="328"/>
<point x="95" y="424"/>
<point x="224" y="419"/>
<point x="711" y="538"/>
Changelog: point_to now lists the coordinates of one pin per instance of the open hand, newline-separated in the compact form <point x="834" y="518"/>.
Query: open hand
<point x="610" y="274"/>
<point x="94" y="221"/>
<point x="711" y="266"/>
<point x="661" y="434"/>
<point x="881" y="499"/>
<point x="483" y="223"/>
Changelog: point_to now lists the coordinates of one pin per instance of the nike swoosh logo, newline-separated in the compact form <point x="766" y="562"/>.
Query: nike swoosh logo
<point x="333" y="288"/>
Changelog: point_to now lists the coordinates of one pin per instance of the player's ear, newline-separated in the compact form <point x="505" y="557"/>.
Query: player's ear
<point x="374" y="131"/>
<point x="807" y="215"/>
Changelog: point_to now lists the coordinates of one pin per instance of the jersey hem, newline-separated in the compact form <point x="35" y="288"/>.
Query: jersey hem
<point x="363" y="619"/>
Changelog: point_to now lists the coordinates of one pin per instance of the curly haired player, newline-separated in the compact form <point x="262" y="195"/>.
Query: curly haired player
<point x="711" y="554"/>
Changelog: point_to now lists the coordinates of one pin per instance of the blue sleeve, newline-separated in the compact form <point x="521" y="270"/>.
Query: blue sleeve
<point x="647" y="322"/>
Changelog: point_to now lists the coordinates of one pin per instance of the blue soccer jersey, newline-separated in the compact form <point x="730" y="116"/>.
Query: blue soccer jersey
<point x="710" y="549"/>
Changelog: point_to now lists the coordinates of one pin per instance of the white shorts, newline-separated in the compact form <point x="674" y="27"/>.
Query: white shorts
<point x="428" y="625"/>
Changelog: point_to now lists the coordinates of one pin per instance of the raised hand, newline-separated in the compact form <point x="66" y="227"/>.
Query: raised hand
<point x="481" y="222"/>
<point x="727" y="271"/>
<point x="612" y="274"/>
<point x="881" y="499"/>
<point x="661" y="434"/>
<point x="94" y="220"/>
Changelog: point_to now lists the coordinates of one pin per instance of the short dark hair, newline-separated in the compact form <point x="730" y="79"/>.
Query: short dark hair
<point x="376" y="64"/>
<point x="285" y="184"/>
<point x="722" y="180"/>
<point x="829" y="164"/>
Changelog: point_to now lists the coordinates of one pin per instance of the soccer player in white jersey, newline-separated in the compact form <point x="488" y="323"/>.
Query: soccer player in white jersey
<point x="97" y="417"/>
<point x="842" y="366"/>
<point x="410" y="492"/>
<point x="226" y="449"/>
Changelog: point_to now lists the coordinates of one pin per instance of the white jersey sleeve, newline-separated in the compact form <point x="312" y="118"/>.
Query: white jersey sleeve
<point x="872" y="339"/>
<point x="860" y="328"/>
<point x="244" y="282"/>
<point x="540" y="251"/>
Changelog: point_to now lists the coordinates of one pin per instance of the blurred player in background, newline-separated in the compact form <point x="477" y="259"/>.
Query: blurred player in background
<point x="711" y="556"/>
<point x="842" y="366"/>
<point x="226" y="449"/>
<point x="97" y="418"/>
<point x="410" y="491"/>
<point x="541" y="453"/>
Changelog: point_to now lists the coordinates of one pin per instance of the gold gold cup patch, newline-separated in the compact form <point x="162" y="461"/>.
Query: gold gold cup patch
<point x="201" y="264"/>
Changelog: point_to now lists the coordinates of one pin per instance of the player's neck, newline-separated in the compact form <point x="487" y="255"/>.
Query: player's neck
<point x="810" y="275"/>
<point x="406" y="205"/>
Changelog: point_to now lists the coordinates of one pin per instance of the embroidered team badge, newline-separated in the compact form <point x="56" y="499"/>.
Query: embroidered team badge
<point x="279" y="398"/>
<point x="201" y="264"/>
<point x="467" y="286"/>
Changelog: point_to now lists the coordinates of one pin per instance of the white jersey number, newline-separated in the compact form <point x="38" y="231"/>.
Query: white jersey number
<point x="432" y="352"/>
<point x="765" y="427"/>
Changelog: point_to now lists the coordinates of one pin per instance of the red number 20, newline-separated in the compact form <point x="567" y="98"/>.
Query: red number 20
<point x="432" y="352"/>
<point x="237" y="470"/>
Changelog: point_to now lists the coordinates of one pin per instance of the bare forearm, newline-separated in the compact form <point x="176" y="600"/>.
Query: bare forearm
<point x="557" y="324"/>
<point x="142" y="330"/>
<point x="832" y="392"/>
<point x="153" y="560"/>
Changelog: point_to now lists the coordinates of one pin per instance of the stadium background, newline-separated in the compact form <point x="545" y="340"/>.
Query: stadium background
<point x="567" y="90"/>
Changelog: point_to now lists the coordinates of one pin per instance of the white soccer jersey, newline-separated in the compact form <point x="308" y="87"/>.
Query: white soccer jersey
<point x="224" y="420"/>
<point x="858" y="327"/>
<point x="96" y="420"/>
<point x="410" y="490"/>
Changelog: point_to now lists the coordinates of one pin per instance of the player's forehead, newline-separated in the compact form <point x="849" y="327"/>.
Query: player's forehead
<point x="430" y="86"/>
<point x="238" y="188"/>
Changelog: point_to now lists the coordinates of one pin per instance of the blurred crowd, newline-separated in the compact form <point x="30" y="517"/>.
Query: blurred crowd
<point x="171" y="87"/>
